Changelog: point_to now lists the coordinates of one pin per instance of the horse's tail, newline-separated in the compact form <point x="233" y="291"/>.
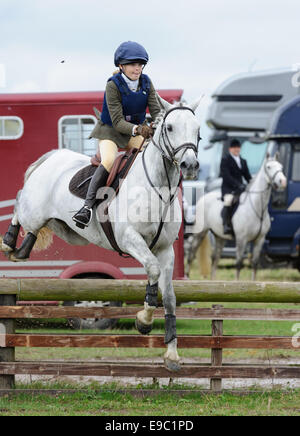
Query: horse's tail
<point x="45" y="235"/>
<point x="36" y="164"/>
<point x="44" y="239"/>
<point x="204" y="256"/>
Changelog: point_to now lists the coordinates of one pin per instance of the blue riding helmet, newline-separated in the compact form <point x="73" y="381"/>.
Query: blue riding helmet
<point x="129" y="52"/>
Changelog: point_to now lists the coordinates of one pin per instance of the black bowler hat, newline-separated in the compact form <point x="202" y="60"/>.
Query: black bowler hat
<point x="235" y="143"/>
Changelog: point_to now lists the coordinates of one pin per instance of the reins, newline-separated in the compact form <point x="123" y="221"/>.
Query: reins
<point x="170" y="156"/>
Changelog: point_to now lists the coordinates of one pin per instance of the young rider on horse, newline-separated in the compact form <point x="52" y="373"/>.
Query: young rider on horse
<point x="123" y="119"/>
<point x="233" y="170"/>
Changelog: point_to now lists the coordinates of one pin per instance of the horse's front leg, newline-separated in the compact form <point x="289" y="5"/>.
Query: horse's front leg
<point x="166" y="260"/>
<point x="134" y="244"/>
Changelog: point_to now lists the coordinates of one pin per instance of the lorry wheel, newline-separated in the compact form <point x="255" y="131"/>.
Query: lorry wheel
<point x="93" y="323"/>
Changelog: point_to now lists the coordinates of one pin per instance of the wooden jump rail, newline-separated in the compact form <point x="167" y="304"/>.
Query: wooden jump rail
<point x="12" y="290"/>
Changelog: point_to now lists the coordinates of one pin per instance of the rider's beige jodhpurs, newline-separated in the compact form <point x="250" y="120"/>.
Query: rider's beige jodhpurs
<point x="228" y="199"/>
<point x="109" y="150"/>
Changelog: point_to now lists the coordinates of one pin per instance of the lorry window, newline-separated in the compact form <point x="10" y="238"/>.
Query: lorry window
<point x="11" y="128"/>
<point x="254" y="155"/>
<point x="279" y="199"/>
<point x="296" y="165"/>
<point x="74" y="132"/>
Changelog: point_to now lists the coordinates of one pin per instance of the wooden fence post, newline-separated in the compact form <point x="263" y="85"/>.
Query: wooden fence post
<point x="7" y="354"/>
<point x="216" y="353"/>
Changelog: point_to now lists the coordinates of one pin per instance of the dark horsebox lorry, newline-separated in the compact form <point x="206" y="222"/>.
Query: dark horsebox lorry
<point x="262" y="110"/>
<point x="31" y="125"/>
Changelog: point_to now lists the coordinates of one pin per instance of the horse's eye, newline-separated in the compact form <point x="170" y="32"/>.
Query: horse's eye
<point x="170" y="128"/>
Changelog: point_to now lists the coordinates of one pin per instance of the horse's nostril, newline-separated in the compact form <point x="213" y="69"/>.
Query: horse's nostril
<point x="183" y="165"/>
<point x="197" y="166"/>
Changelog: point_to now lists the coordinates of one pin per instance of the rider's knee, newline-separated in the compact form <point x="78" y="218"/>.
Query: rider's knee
<point x="108" y="153"/>
<point x="228" y="199"/>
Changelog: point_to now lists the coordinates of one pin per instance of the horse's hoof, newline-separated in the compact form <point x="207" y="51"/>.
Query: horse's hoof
<point x="12" y="257"/>
<point x="6" y="248"/>
<point x="144" y="329"/>
<point x="172" y="365"/>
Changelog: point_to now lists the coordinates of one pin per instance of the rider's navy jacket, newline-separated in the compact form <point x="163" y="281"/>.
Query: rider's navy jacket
<point x="134" y="104"/>
<point x="233" y="175"/>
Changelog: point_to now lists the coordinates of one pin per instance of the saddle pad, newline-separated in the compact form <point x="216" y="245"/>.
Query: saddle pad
<point x="79" y="184"/>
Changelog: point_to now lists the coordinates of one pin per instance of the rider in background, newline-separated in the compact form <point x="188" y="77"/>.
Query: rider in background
<point x="123" y="119"/>
<point x="233" y="170"/>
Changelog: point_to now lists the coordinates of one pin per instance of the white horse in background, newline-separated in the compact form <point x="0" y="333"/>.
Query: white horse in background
<point x="45" y="202"/>
<point x="251" y="221"/>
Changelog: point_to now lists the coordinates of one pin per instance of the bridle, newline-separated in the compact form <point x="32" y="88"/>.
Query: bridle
<point x="171" y="152"/>
<point x="270" y="184"/>
<point x="169" y="155"/>
<point x="271" y="179"/>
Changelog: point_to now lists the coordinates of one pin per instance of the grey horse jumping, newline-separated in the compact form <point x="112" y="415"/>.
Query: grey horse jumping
<point x="136" y="213"/>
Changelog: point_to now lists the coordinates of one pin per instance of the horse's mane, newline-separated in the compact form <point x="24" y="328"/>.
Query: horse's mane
<point x="162" y="113"/>
<point x="256" y="175"/>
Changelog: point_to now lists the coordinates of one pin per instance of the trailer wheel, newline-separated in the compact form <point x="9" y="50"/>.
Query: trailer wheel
<point x="93" y="323"/>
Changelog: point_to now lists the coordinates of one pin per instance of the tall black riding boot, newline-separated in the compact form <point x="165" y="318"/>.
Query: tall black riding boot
<point x="226" y="220"/>
<point x="84" y="216"/>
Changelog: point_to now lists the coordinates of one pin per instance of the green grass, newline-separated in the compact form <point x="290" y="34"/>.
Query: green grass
<point x="110" y="402"/>
<point x="226" y="271"/>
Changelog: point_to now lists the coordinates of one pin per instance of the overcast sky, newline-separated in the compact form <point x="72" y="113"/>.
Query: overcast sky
<point x="193" y="44"/>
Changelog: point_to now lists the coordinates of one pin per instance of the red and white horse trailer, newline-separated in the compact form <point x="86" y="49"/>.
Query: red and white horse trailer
<point x="31" y="125"/>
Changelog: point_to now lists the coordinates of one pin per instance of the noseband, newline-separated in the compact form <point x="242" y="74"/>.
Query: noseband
<point x="164" y="137"/>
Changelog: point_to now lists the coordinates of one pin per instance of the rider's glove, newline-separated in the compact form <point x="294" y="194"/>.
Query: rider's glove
<point x="144" y="131"/>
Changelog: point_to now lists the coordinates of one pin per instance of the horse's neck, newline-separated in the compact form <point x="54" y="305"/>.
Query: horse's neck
<point x="261" y="190"/>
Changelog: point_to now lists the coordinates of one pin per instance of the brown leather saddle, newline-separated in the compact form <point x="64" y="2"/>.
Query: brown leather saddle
<point x="79" y="184"/>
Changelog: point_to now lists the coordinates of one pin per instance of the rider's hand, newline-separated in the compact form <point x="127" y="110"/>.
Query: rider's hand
<point x="144" y="131"/>
<point x="242" y="187"/>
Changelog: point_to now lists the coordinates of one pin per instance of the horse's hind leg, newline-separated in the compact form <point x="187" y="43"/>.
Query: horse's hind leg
<point x="9" y="241"/>
<point x="23" y="253"/>
<point x="240" y="250"/>
<point x="256" y="255"/>
<point x="197" y="240"/>
<point x="216" y="256"/>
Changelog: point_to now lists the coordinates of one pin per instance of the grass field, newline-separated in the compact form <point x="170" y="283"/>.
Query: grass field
<point x="111" y="403"/>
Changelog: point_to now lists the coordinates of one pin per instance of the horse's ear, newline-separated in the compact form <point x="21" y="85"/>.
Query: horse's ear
<point x="268" y="155"/>
<point x="164" y="105"/>
<point x="277" y="156"/>
<point x="194" y="105"/>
